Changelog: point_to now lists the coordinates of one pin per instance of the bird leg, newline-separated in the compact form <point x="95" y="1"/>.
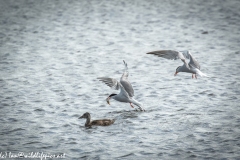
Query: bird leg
<point x="131" y="105"/>
<point x="141" y="109"/>
<point x="195" y="76"/>
<point x="192" y="76"/>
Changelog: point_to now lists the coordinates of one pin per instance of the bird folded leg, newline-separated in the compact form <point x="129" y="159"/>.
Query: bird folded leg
<point x="131" y="105"/>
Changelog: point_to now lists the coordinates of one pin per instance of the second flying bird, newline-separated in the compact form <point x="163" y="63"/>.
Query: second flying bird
<point x="126" y="90"/>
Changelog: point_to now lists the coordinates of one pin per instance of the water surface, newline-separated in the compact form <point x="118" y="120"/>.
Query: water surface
<point x="51" y="53"/>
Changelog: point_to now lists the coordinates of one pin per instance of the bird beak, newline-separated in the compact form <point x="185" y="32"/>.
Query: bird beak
<point x="80" y="117"/>
<point x="175" y="73"/>
<point x="108" y="100"/>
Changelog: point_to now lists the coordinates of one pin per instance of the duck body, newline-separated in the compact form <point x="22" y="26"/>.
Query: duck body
<point x="100" y="122"/>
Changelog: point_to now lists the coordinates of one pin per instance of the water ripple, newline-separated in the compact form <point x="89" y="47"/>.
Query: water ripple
<point x="52" y="53"/>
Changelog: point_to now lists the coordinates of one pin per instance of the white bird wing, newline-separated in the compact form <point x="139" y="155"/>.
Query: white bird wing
<point x="171" y="54"/>
<point x="125" y="83"/>
<point x="193" y="62"/>
<point x="113" y="83"/>
<point x="123" y="92"/>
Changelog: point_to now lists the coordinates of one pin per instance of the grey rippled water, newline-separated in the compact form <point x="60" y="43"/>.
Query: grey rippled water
<point x="51" y="53"/>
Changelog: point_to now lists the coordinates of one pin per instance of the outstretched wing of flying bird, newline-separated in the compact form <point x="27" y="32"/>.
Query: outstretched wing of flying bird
<point x="125" y="82"/>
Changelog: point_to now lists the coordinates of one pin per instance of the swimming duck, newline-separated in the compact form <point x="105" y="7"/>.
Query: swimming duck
<point x="100" y="122"/>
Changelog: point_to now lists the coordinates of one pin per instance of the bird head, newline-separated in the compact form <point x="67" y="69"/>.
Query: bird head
<point x="85" y="115"/>
<point x="109" y="97"/>
<point x="177" y="70"/>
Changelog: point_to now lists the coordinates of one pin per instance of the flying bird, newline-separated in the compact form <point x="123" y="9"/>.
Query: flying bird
<point x="126" y="90"/>
<point x="191" y="67"/>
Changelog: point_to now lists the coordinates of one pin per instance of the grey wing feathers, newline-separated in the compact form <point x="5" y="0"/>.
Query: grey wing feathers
<point x="126" y="68"/>
<point x="186" y="54"/>
<point x="128" y="87"/>
<point x="168" y="54"/>
<point x="111" y="82"/>
<point x="193" y="62"/>
<point x="125" y="83"/>
<point x="125" y="74"/>
<point x="171" y="54"/>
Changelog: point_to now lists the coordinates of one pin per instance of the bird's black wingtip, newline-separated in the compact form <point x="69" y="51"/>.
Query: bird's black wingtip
<point x="149" y="53"/>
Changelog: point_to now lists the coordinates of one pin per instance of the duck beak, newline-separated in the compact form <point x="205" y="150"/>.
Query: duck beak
<point x="80" y="117"/>
<point x="108" y="100"/>
<point x="175" y="73"/>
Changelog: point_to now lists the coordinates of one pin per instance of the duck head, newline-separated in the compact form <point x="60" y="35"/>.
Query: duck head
<point x="85" y="115"/>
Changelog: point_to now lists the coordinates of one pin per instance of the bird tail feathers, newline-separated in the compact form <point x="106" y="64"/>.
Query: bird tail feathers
<point x="134" y="101"/>
<point x="201" y="74"/>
